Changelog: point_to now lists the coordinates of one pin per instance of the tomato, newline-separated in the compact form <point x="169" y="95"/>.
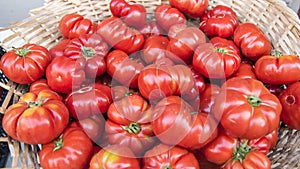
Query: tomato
<point x="246" y="108"/>
<point x="114" y="156"/>
<point x="151" y="29"/>
<point x="207" y="97"/>
<point x="166" y="16"/>
<point x="175" y="29"/>
<point x="154" y="48"/>
<point x="278" y="69"/>
<point x="253" y="159"/>
<point x="72" y="149"/>
<point x="164" y="156"/>
<point x="120" y="36"/>
<point x="220" y="21"/>
<point x="120" y="91"/>
<point x="159" y="81"/>
<point x="36" y="119"/>
<point x="133" y="14"/>
<point x="252" y="41"/>
<point x="290" y="101"/>
<point x="73" y="25"/>
<point x="39" y="85"/>
<point x="65" y="74"/>
<point x="218" y="59"/>
<point x="181" y="47"/>
<point x="245" y="70"/>
<point x="199" y="80"/>
<point x="91" y="48"/>
<point x="88" y="100"/>
<point x="191" y="8"/>
<point x="123" y="69"/>
<point x="25" y="64"/>
<point x="58" y="49"/>
<point x="129" y="124"/>
<point x="172" y="115"/>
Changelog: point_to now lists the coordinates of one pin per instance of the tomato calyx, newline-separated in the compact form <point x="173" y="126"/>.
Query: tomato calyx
<point x="37" y="103"/>
<point x="254" y="101"/>
<point x="221" y="50"/>
<point x="278" y="54"/>
<point x="128" y="94"/>
<point x="22" y="52"/>
<point x="88" y="52"/>
<point x="167" y="167"/>
<point x="240" y="152"/>
<point x="132" y="128"/>
<point x="58" y="143"/>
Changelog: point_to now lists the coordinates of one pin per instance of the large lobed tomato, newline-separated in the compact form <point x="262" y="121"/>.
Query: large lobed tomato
<point x="246" y="108"/>
<point x="119" y="35"/>
<point x="114" y="157"/>
<point x="39" y="85"/>
<point x="26" y="64"/>
<point x="190" y="8"/>
<point x="58" y="49"/>
<point x="154" y="49"/>
<point x="278" y="69"/>
<point x="72" y="149"/>
<point x="129" y="124"/>
<point x="290" y="101"/>
<point x="218" y="59"/>
<point x="73" y="25"/>
<point x="246" y="70"/>
<point x="150" y="28"/>
<point x="252" y="41"/>
<point x="221" y="21"/>
<point x="168" y="157"/>
<point x="93" y="99"/>
<point x="36" y="118"/>
<point x="92" y="49"/>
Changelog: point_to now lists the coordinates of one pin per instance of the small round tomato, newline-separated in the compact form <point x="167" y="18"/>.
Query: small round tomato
<point x="26" y="64"/>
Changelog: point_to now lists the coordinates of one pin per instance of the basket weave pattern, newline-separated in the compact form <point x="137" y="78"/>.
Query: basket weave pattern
<point x="280" y="24"/>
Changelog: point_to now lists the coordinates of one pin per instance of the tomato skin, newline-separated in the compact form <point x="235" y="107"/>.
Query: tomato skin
<point x="75" y="143"/>
<point x="151" y="29"/>
<point x="73" y="25"/>
<point x="167" y="16"/>
<point x="120" y="36"/>
<point x="58" y="49"/>
<point x="207" y="97"/>
<point x="133" y="14"/>
<point x="35" y="114"/>
<point x="221" y="21"/>
<point x="181" y="47"/>
<point x="163" y="156"/>
<point x="154" y="49"/>
<point x="39" y="85"/>
<point x="252" y="41"/>
<point x="245" y="70"/>
<point x="191" y="8"/>
<point x="65" y="74"/>
<point x="278" y="69"/>
<point x="114" y="156"/>
<point x="91" y="48"/>
<point x="129" y="124"/>
<point x="26" y="64"/>
<point x="246" y="108"/>
<point x="290" y="100"/>
<point x="218" y="59"/>
<point x="88" y="100"/>
<point x="123" y="69"/>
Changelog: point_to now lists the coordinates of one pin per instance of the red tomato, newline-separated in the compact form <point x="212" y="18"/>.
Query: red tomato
<point x="191" y="8"/>
<point x="175" y="29"/>
<point x="36" y="119"/>
<point x="58" y="49"/>
<point x="88" y="100"/>
<point x="74" y="143"/>
<point x="65" y="74"/>
<point x="278" y="69"/>
<point x="252" y="41"/>
<point x="245" y="70"/>
<point x="133" y="14"/>
<point x="166" y="16"/>
<point x="154" y="49"/>
<point x="123" y="69"/>
<point x="172" y="115"/>
<point x="39" y="85"/>
<point x="73" y="25"/>
<point x="163" y="156"/>
<point x="120" y="36"/>
<point x="207" y="97"/>
<point x="129" y="124"/>
<point x="246" y="108"/>
<point x="91" y="48"/>
<point x="220" y="21"/>
<point x="290" y="101"/>
<point x="25" y="64"/>
<point x="114" y="157"/>
<point x="119" y="92"/>
<point x="218" y="59"/>
<point x="151" y="29"/>
<point x="181" y="47"/>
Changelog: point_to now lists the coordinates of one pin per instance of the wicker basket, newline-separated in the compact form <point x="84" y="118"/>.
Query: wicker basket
<point x="279" y="23"/>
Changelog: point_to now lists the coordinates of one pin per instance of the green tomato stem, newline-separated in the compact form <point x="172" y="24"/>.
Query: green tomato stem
<point x="88" y="52"/>
<point x="254" y="101"/>
<point x="58" y="144"/>
<point x="22" y="52"/>
<point x="132" y="128"/>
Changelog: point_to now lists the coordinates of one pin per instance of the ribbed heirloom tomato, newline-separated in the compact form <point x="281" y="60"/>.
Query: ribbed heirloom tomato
<point x="195" y="8"/>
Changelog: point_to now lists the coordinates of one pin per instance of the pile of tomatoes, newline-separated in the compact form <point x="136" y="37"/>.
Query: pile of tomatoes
<point x="135" y="92"/>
